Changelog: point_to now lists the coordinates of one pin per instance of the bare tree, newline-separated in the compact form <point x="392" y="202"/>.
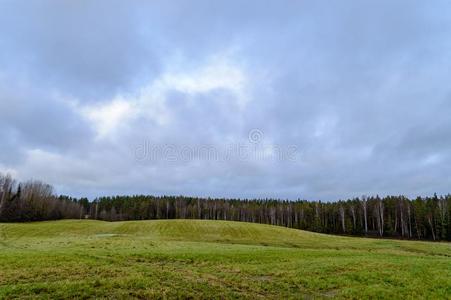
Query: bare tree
<point x="442" y="208"/>
<point x="409" y="219"/>
<point x="352" y="210"/>
<point x="401" y="208"/>
<point x="380" y="216"/>
<point x="365" y="212"/>
<point x="342" y="218"/>
<point x="429" y="218"/>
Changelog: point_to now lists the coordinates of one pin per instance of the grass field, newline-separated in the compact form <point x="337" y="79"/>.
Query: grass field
<point x="212" y="259"/>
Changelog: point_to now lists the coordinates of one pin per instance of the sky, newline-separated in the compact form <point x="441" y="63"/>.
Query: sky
<point x="286" y="99"/>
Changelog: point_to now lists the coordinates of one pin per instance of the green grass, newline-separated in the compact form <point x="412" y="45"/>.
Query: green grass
<point x="212" y="259"/>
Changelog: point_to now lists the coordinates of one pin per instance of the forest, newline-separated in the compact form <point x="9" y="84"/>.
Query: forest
<point x="423" y="218"/>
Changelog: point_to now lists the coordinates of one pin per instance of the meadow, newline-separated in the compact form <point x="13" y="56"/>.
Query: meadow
<point x="199" y="259"/>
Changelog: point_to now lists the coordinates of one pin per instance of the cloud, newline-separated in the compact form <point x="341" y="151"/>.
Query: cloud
<point x="152" y="102"/>
<point x="83" y="48"/>
<point x="361" y="90"/>
<point x="107" y="117"/>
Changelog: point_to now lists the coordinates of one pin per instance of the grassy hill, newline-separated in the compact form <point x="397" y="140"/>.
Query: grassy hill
<point x="212" y="259"/>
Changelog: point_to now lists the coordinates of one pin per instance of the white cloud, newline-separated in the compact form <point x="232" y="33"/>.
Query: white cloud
<point x="108" y="117"/>
<point x="216" y="74"/>
<point x="431" y="159"/>
<point x="150" y="102"/>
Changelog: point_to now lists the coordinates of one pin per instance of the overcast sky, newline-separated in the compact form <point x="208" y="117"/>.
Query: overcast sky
<point x="287" y="99"/>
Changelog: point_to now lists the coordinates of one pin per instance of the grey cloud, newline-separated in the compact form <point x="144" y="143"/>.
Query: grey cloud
<point x="85" y="48"/>
<point x="360" y="88"/>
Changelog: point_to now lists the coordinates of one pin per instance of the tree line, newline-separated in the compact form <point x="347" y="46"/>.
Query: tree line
<point x="34" y="201"/>
<point x="421" y="218"/>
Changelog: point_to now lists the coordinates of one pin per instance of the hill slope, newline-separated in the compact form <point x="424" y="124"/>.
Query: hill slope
<point x="205" y="259"/>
